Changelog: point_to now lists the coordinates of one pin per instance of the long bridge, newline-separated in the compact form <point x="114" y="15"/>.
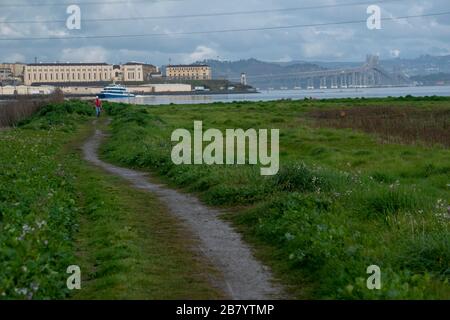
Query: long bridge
<point x="370" y="74"/>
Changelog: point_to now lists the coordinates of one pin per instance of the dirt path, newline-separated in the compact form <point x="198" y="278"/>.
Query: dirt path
<point x="244" y="277"/>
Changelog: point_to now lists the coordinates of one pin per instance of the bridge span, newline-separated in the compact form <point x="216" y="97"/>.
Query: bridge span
<point x="370" y="74"/>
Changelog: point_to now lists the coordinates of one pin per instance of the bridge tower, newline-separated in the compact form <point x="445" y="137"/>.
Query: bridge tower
<point x="334" y="82"/>
<point x="323" y="83"/>
<point x="344" y="80"/>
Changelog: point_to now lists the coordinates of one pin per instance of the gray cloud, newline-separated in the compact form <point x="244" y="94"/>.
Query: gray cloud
<point x="427" y="35"/>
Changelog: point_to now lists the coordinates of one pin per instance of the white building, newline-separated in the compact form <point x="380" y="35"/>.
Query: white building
<point x="25" y="90"/>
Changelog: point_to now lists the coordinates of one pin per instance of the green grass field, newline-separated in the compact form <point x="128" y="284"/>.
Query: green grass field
<point x="362" y="182"/>
<point x="56" y="210"/>
<point x="349" y="194"/>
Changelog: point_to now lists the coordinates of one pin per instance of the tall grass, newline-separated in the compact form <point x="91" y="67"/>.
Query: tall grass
<point x="393" y="124"/>
<point x="12" y="112"/>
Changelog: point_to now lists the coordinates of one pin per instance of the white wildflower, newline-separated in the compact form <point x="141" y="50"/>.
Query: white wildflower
<point x="21" y="291"/>
<point x="40" y="224"/>
<point x="34" y="286"/>
<point x="289" y="236"/>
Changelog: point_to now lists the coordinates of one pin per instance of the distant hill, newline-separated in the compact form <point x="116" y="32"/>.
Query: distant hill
<point x="423" y="65"/>
<point x="436" y="79"/>
<point x="326" y="64"/>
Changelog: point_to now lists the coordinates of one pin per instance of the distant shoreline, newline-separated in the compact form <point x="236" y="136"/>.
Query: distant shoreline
<point x="180" y="93"/>
<point x="272" y="95"/>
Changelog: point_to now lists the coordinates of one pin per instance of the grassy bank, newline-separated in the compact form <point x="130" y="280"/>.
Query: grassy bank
<point x="38" y="204"/>
<point x="343" y="200"/>
<point x="56" y="210"/>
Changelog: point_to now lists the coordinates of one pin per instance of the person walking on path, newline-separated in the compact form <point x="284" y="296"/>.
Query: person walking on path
<point x="98" y="107"/>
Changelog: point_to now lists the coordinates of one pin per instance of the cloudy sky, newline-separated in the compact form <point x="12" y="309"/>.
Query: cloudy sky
<point x="23" y="19"/>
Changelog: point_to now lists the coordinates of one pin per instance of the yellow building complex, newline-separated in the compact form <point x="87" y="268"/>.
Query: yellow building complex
<point x="189" y="72"/>
<point x="137" y="72"/>
<point x="65" y="73"/>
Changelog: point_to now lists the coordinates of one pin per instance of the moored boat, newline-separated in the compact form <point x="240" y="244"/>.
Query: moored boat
<point x="115" y="92"/>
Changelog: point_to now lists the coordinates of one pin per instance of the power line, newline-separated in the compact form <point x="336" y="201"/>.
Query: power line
<point x="87" y="3"/>
<point x="220" y="31"/>
<point x="216" y="14"/>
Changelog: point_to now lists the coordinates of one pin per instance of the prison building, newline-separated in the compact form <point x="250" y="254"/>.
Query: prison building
<point x="137" y="72"/>
<point x="189" y="72"/>
<point x="67" y="73"/>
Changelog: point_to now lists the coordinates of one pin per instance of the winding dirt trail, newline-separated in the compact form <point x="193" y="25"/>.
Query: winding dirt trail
<point x="244" y="278"/>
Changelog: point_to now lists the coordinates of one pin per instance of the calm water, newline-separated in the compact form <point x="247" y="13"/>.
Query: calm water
<point x="292" y="94"/>
<point x="289" y="94"/>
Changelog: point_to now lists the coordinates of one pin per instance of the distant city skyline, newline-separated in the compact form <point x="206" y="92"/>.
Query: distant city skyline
<point x="408" y="38"/>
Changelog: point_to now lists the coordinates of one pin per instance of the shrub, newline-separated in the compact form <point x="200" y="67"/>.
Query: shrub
<point x="301" y="225"/>
<point x="232" y="195"/>
<point x="298" y="177"/>
<point x="429" y="253"/>
<point x="386" y="201"/>
<point x="66" y="115"/>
